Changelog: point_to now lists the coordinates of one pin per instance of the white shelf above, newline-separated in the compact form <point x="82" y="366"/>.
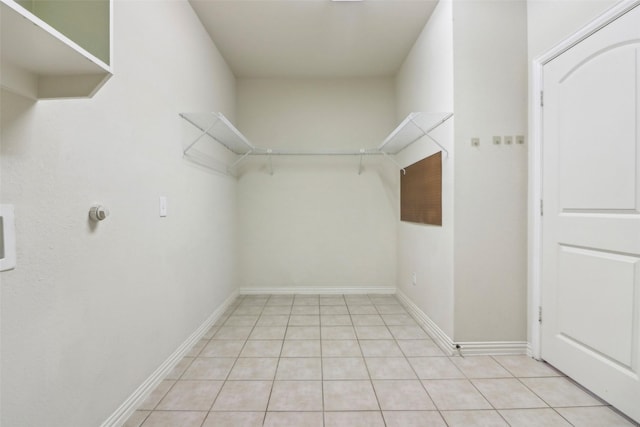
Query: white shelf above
<point x="218" y="127"/>
<point x="412" y="128"/>
<point x="40" y="62"/>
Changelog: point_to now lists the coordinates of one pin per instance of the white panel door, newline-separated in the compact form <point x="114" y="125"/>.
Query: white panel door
<point x="591" y="223"/>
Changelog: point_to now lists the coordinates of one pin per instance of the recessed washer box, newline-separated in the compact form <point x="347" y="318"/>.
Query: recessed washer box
<point x="7" y="238"/>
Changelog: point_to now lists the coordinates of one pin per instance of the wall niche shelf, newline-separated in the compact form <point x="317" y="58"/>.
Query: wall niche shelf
<point x="40" y="62"/>
<point x="220" y="129"/>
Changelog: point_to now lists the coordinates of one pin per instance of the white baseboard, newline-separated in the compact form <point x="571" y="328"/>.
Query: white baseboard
<point x="450" y="347"/>
<point x="439" y="336"/>
<point x="125" y="410"/>
<point x="319" y="290"/>
<point x="493" y="348"/>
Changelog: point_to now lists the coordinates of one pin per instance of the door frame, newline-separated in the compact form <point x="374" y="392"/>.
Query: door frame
<point x="535" y="165"/>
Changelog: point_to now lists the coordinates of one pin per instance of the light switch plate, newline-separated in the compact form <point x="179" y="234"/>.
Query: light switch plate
<point x="519" y="139"/>
<point x="497" y="140"/>
<point x="475" y="142"/>
<point x="163" y="206"/>
<point x="508" y="140"/>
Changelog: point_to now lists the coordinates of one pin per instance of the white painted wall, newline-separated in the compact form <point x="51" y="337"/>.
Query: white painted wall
<point x="316" y="222"/>
<point x="90" y="312"/>
<point x="490" y="43"/>
<point x="425" y="83"/>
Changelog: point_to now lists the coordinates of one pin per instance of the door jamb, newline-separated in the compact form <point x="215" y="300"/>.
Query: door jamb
<point x="535" y="164"/>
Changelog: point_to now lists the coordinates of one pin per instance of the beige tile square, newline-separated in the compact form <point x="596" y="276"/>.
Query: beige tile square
<point x="402" y="395"/>
<point x="390" y="309"/>
<point x="296" y="396"/>
<point x="508" y="393"/>
<point x="373" y="333"/>
<point x="559" y="391"/>
<point x="262" y="348"/>
<point x="338" y="333"/>
<point x="256" y="299"/>
<point x="383" y="299"/>
<point x="534" y="418"/>
<point x="304" y="320"/>
<point x="435" y="368"/>
<point x="335" y="320"/>
<point x="596" y="416"/>
<point x="197" y="348"/>
<point x="357" y="299"/>
<point x="246" y="310"/>
<point x="390" y="368"/>
<point x="156" y="395"/>
<point x="276" y="310"/>
<point x="367" y="320"/>
<point x="234" y="419"/>
<point x="211" y="332"/>
<point x="301" y="348"/>
<point x="273" y="320"/>
<point x="344" y="368"/>
<point x="254" y="368"/>
<point x="399" y="320"/>
<point x="209" y="368"/>
<point x="299" y="368"/>
<point x="303" y="333"/>
<point x="362" y="309"/>
<point x="307" y="310"/>
<point x="353" y="419"/>
<point x="415" y="419"/>
<point x="349" y="395"/>
<point x="223" y="348"/>
<point x="420" y="348"/>
<point x="293" y="419"/>
<point x="179" y="369"/>
<point x="243" y="396"/>
<point x="280" y="300"/>
<point x="268" y="333"/>
<point x="332" y="300"/>
<point x="136" y="419"/>
<point x="237" y="320"/>
<point x="487" y="418"/>
<point x="403" y="332"/>
<point x="174" y="418"/>
<point x="380" y="348"/>
<point x="340" y="348"/>
<point x="480" y="367"/>
<point x="333" y="310"/>
<point x="455" y="395"/>
<point x="525" y="366"/>
<point x="306" y="300"/>
<point x="233" y="333"/>
<point x="191" y="396"/>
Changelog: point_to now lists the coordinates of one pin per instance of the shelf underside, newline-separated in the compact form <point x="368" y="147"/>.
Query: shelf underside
<point x="40" y="62"/>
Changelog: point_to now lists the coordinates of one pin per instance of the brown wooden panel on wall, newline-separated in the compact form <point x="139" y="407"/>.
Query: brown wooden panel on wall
<point x="421" y="191"/>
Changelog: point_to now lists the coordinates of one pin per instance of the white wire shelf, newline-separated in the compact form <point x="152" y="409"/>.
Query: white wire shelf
<point x="413" y="127"/>
<point x="216" y="126"/>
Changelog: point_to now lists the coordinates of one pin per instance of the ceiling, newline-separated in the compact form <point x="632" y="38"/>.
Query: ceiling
<point x="314" y="38"/>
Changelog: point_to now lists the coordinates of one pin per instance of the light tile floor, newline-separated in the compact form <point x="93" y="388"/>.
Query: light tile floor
<point x="354" y="360"/>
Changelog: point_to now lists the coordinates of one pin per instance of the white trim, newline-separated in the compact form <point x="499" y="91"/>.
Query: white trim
<point x="493" y="348"/>
<point x="445" y="343"/>
<point x="318" y="290"/>
<point x="140" y="394"/>
<point x="535" y="161"/>
<point x="466" y="348"/>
